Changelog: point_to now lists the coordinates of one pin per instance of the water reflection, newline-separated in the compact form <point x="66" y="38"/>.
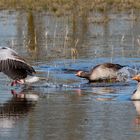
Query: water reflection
<point x="137" y="107"/>
<point x="39" y="31"/>
<point x="31" y="33"/>
<point x="19" y="106"/>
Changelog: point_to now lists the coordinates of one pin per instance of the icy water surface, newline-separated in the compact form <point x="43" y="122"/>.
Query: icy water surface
<point x="62" y="106"/>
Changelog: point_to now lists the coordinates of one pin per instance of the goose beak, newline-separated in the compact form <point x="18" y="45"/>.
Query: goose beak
<point x="136" y="77"/>
<point x="78" y="73"/>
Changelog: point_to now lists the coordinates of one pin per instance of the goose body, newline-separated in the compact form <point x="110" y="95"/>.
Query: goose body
<point x="15" y="67"/>
<point x="101" y="72"/>
<point x="136" y="93"/>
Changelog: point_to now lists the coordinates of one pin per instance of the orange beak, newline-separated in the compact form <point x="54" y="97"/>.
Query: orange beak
<point x="136" y="77"/>
<point x="78" y="73"/>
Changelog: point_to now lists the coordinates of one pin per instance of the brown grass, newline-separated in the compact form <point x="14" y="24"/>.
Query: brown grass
<point x="66" y="6"/>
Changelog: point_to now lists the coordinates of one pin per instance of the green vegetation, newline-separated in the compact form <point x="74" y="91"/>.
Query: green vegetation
<point x="66" y="6"/>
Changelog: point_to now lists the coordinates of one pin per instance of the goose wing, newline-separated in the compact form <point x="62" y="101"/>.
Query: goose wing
<point x="112" y="66"/>
<point x="13" y="65"/>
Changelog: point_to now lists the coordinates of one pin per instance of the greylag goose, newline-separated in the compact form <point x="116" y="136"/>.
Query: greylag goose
<point x="106" y="72"/>
<point x="15" y="67"/>
<point x="136" y="93"/>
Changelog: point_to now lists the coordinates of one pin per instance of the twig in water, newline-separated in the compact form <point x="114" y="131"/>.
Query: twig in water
<point x="46" y="35"/>
<point x="138" y="40"/>
<point x="66" y="38"/>
<point x="35" y="38"/>
<point x="54" y="35"/>
<point x="122" y="39"/>
<point x="74" y="52"/>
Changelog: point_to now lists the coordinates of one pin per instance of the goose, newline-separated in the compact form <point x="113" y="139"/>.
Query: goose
<point x="101" y="73"/>
<point x="15" y="67"/>
<point x="136" y="93"/>
<point x="26" y="96"/>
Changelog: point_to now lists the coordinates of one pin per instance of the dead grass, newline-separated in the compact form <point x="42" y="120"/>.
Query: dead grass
<point x="66" y="6"/>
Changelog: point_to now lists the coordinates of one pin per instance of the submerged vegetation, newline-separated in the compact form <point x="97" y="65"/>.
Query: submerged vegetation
<point x="66" y="6"/>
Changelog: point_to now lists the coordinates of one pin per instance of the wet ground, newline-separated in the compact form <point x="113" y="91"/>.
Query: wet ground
<point x="62" y="106"/>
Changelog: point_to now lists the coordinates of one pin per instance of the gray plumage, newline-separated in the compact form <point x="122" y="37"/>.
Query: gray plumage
<point x="13" y="65"/>
<point x="100" y="72"/>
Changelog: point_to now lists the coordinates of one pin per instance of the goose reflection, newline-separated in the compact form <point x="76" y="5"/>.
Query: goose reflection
<point x="25" y="96"/>
<point x="17" y="107"/>
<point x="137" y="106"/>
<point x="97" y="91"/>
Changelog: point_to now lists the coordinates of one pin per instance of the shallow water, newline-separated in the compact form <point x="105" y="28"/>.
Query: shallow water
<point x="61" y="105"/>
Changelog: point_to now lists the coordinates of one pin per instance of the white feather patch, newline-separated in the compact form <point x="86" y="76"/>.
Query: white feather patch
<point x="32" y="79"/>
